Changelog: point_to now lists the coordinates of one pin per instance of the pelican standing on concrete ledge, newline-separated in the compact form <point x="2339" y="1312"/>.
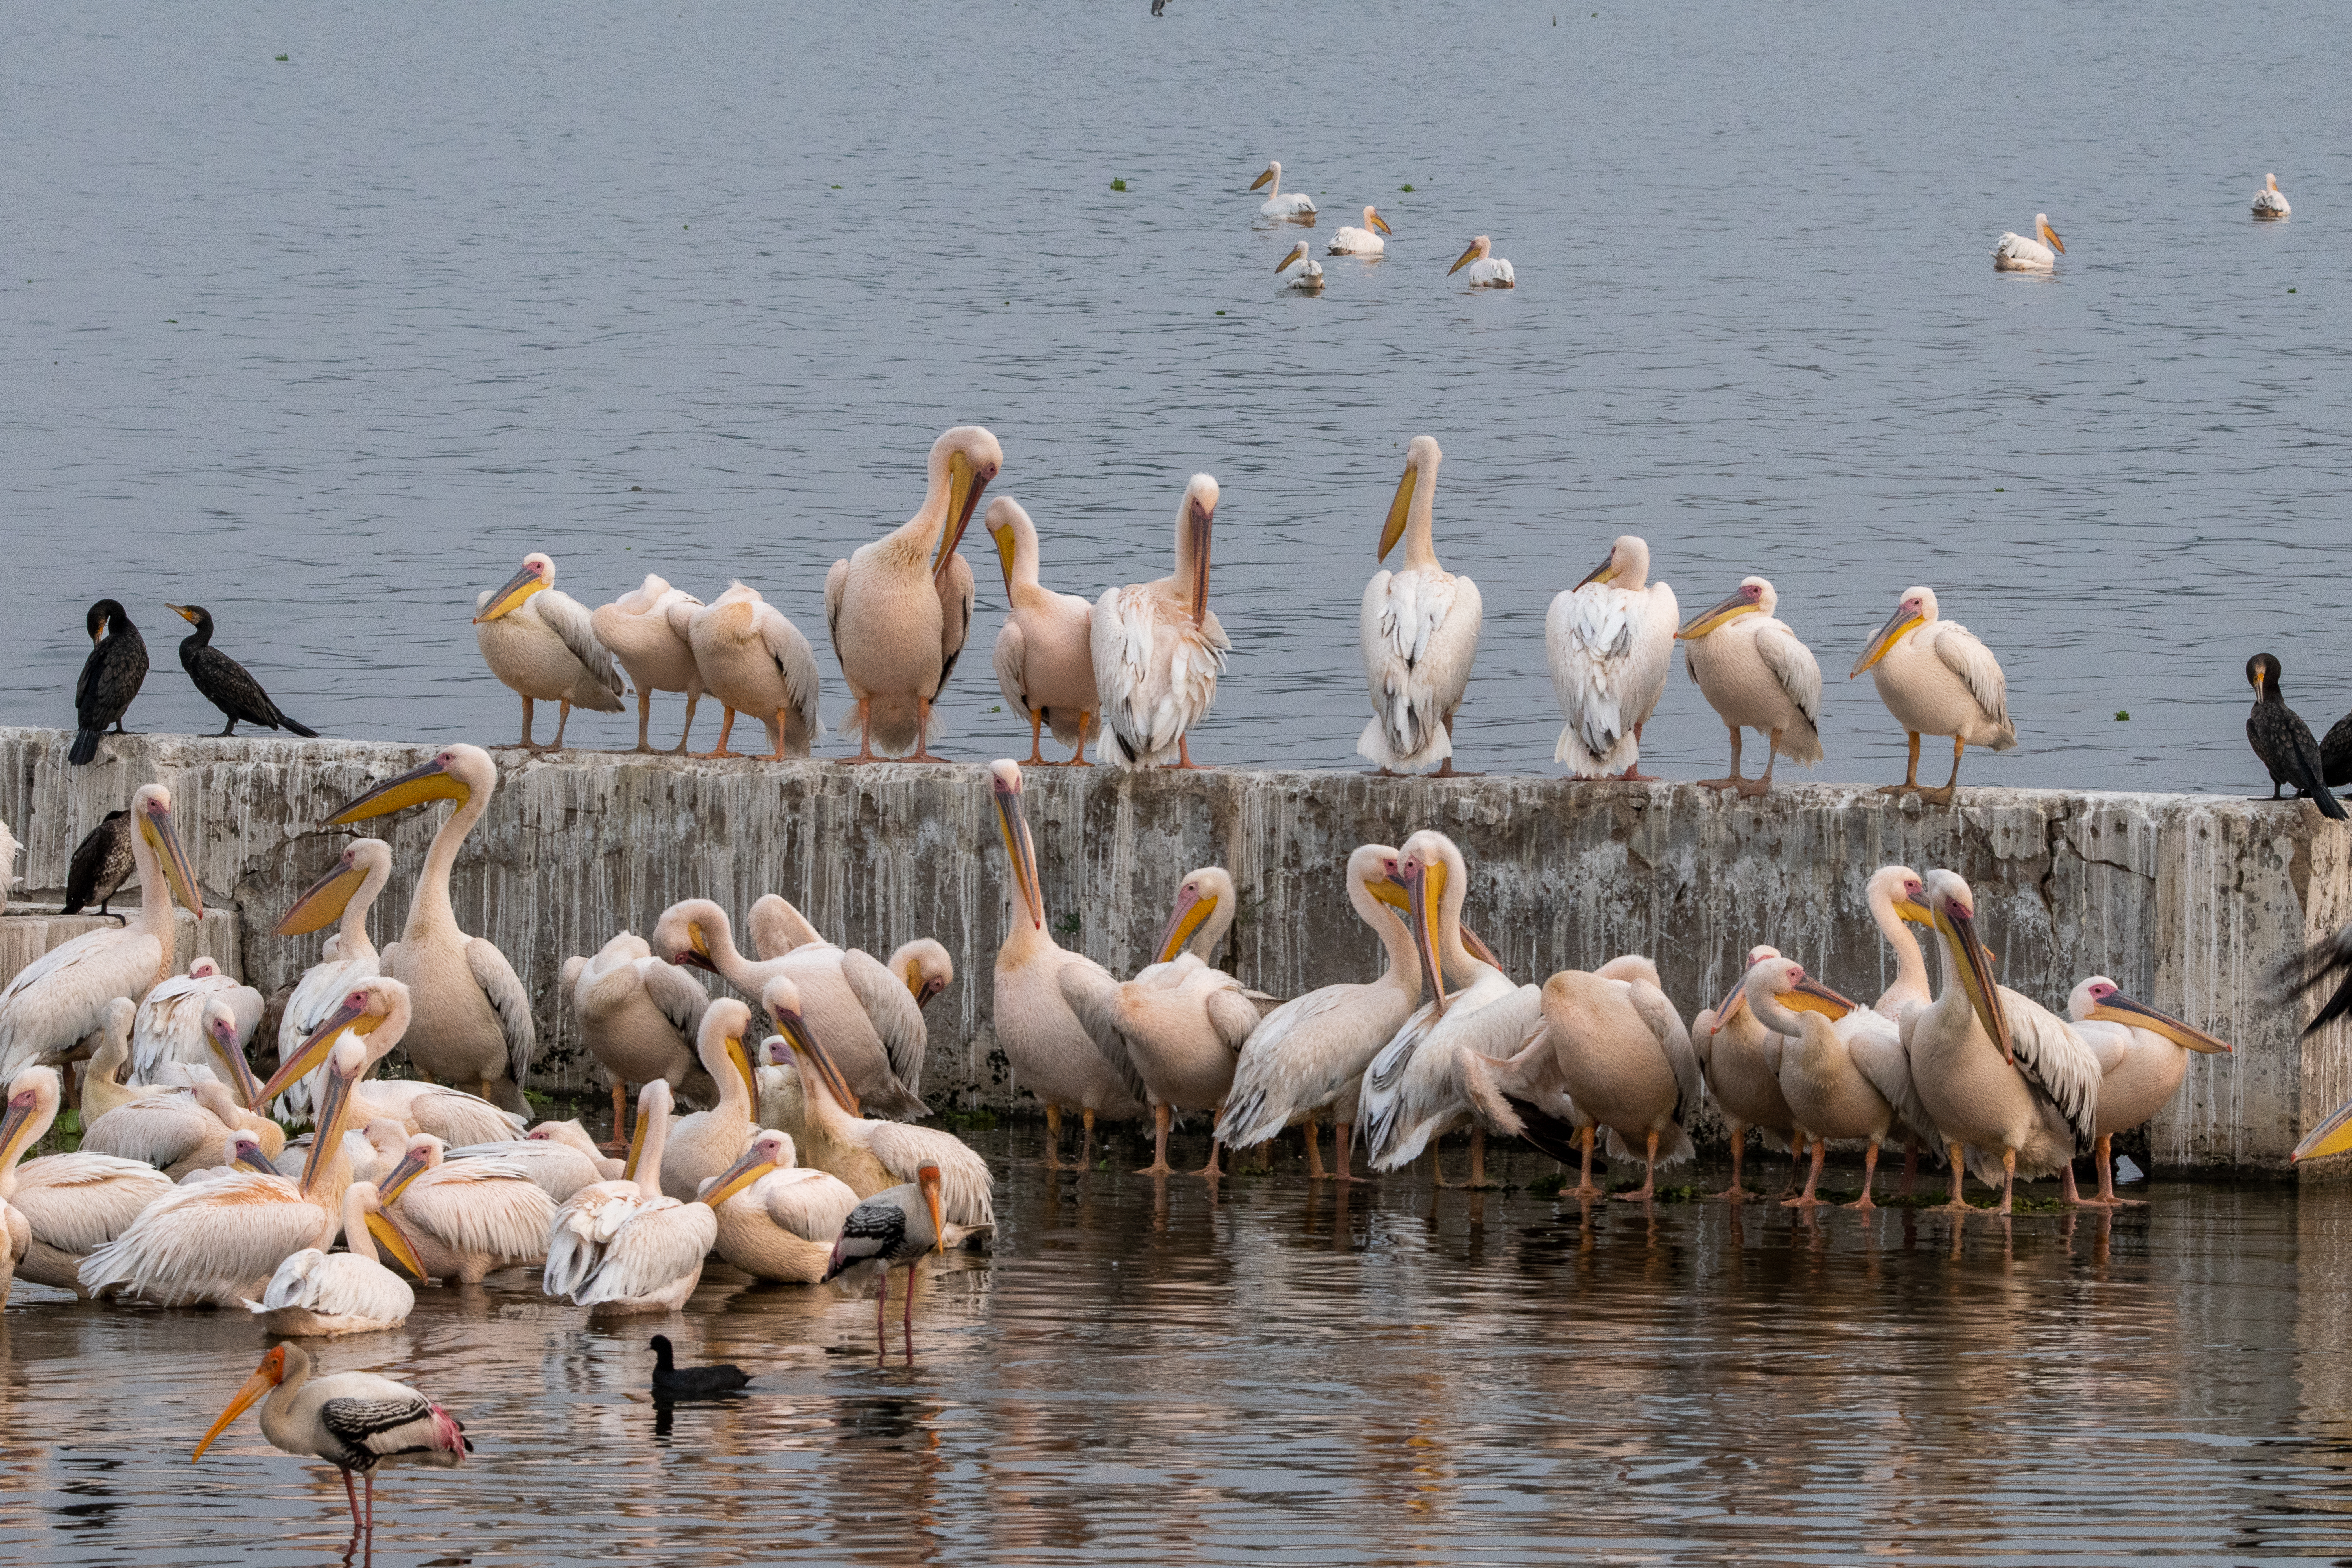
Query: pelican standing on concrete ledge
<point x="1044" y="654"/>
<point x="1420" y="629"/>
<point x="646" y="630"/>
<point x="1157" y="649"/>
<point x="755" y="661"/>
<point x="899" y="608"/>
<point x="1611" y="641"/>
<point x="1937" y="678"/>
<point x="61" y="997"/>
<point x="472" y="1021"/>
<point x="543" y="645"/>
<point x="1756" y="675"/>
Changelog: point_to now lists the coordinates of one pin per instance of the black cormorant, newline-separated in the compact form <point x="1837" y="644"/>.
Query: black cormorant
<point x="226" y="683"/>
<point x="673" y="1381"/>
<point x="2282" y="741"/>
<point x="111" y="677"/>
<point x="100" y="865"/>
<point x="2336" y="753"/>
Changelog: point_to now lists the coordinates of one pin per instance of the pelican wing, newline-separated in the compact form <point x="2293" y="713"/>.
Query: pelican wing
<point x="1011" y="650"/>
<point x="676" y="990"/>
<point x="663" y="1242"/>
<point x="1231" y="1012"/>
<point x="957" y="596"/>
<point x="1608" y="665"/>
<point x="503" y="990"/>
<point x="455" y="1116"/>
<point x="1303" y="1054"/>
<point x="337" y="1285"/>
<point x="795" y="661"/>
<point x="1659" y="1016"/>
<point x="572" y="621"/>
<point x="677" y="608"/>
<point x="1793" y="665"/>
<point x="1875" y="1042"/>
<point x="812" y="1204"/>
<point x="196" y="1241"/>
<point x="160" y="1132"/>
<point x="485" y="1207"/>
<point x="890" y="1008"/>
<point x="78" y="1203"/>
<point x="62" y="996"/>
<point x="1092" y="994"/>
<point x="966" y="1189"/>
<point x="836" y="587"/>
<point x="2056" y="1062"/>
<point x="1419" y="632"/>
<point x="1973" y="662"/>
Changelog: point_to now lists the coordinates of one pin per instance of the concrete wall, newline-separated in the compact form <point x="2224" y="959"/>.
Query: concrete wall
<point x="2189" y="902"/>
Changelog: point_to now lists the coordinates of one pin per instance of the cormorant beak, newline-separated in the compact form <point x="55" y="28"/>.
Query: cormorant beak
<point x="265" y="1378"/>
<point x="2118" y="1008"/>
<point x="1020" y="849"/>
<point x="511" y="593"/>
<point x="415" y="788"/>
<point x="325" y="902"/>
<point x="1194" y="908"/>
<point x="1897" y="624"/>
<point x="1399" y="509"/>
<point x="1976" y="976"/>
<point x="755" y="1165"/>
<point x="156" y="827"/>
<point x="185" y="613"/>
<point x="1739" y="603"/>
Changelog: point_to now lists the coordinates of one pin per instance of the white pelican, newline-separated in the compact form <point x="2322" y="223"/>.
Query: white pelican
<point x="559" y="1158"/>
<point x="1613" y="1042"/>
<point x="1045" y="655"/>
<point x="1937" y="678"/>
<point x="776" y="928"/>
<point x="221" y="1240"/>
<point x="467" y="1218"/>
<point x="472" y="1023"/>
<point x="1365" y="241"/>
<point x="1841" y="1072"/>
<point x="61" y="997"/>
<point x="1206" y="903"/>
<point x="899" y="608"/>
<point x="584" y="1221"/>
<point x="755" y="661"/>
<point x="378" y="1010"/>
<point x="542" y="645"/>
<point x="1440" y="1071"/>
<point x="1897" y="895"/>
<point x="103" y="1089"/>
<point x="1052" y="1054"/>
<point x="899" y="1224"/>
<point x="2000" y="1074"/>
<point x="2269" y="202"/>
<point x="353" y="1420"/>
<point x="321" y="1295"/>
<point x="345" y="894"/>
<point x="1420" y="629"/>
<point x="1301" y="273"/>
<point x="2143" y="1056"/>
<point x="640" y="1253"/>
<point x="1306" y="1058"/>
<point x="639" y="1018"/>
<point x="182" y="1132"/>
<point x="62" y="1207"/>
<point x="1740" y="1060"/>
<point x="647" y="630"/>
<point x="168" y="1033"/>
<point x="868" y="1154"/>
<point x="1611" y="641"/>
<point x="2015" y="253"/>
<point x="1756" y="675"/>
<point x="1158" y="650"/>
<point x="1296" y="204"/>
<point x="777" y="1220"/>
<point x="1487" y="270"/>
<point x="708" y="1141"/>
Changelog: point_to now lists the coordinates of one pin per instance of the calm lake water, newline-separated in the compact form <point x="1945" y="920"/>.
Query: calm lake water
<point x="1148" y="1373"/>
<point x="326" y="343"/>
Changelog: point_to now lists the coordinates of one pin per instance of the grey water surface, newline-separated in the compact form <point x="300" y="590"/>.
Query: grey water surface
<point x="1144" y="1373"/>
<point x="326" y="343"/>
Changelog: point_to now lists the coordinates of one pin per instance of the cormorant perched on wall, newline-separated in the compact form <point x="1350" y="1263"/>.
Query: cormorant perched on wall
<point x="100" y="865"/>
<point x="2283" y="741"/>
<point x="226" y="683"/>
<point x="111" y="677"/>
<point x="2336" y="753"/>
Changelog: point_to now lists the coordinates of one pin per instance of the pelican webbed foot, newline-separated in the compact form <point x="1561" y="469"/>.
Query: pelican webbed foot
<point x="1936" y="796"/>
<point x="1446" y="770"/>
<point x="1750" y="789"/>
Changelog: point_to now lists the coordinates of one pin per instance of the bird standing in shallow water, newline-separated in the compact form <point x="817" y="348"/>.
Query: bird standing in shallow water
<point x="893" y="1226"/>
<point x="111" y="677"/>
<point x="673" y="1381"/>
<point x="2282" y="741"/>
<point x="226" y="684"/>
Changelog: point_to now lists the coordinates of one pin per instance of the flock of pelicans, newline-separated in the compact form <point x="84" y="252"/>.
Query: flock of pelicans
<point x="801" y="1159"/>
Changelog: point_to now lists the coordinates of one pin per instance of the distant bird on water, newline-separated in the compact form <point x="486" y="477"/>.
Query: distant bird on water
<point x="2269" y="202"/>
<point x="1299" y="272"/>
<point x="1296" y="204"/>
<point x="101" y="864"/>
<point x="111" y="677"/>
<point x="1487" y="270"/>
<point x="2016" y="253"/>
<point x="226" y="683"/>
<point x="673" y="1381"/>
<point x="1365" y="241"/>
<point x="2282" y="741"/>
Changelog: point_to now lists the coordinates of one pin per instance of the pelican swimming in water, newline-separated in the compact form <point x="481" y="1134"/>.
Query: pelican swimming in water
<point x="2016" y="253"/>
<point x="1044" y="654"/>
<point x="1276" y="205"/>
<point x="2000" y="1074"/>
<point x="168" y="1033"/>
<point x="62" y="998"/>
<point x="1612" y="643"/>
<point x="1756" y="675"/>
<point x="1052" y="1053"/>
<point x="1487" y="270"/>
<point x="1740" y="1060"/>
<point x="639" y="1018"/>
<point x="1158" y="650"/>
<point x="1841" y="1072"/>
<point x="472" y="1023"/>
<point x="647" y="630"/>
<point x="344" y="895"/>
<point x="542" y="644"/>
<point x="755" y="661"/>
<point x="1365" y="241"/>
<point x="777" y="1219"/>
<point x="1301" y="273"/>
<point x="1937" y="678"/>
<point x="1306" y="1058"/>
<point x="2269" y="202"/>
<point x="1420" y="629"/>
<point x="899" y="609"/>
<point x="467" y="1218"/>
<point x="705" y="1143"/>
<point x="2143" y="1056"/>
<point x="60" y="1208"/>
<point x="322" y="1295"/>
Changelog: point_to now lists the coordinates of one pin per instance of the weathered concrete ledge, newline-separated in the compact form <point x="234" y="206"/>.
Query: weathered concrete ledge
<point x="2189" y="902"/>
